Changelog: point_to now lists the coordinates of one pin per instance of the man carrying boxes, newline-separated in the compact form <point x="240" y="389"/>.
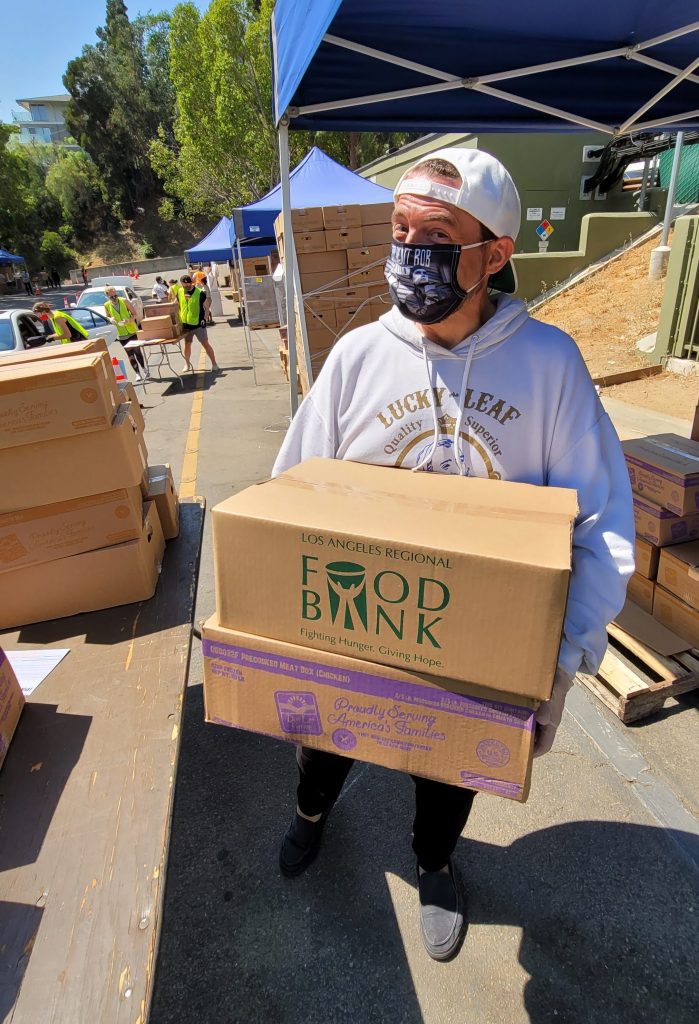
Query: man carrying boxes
<point x="459" y="381"/>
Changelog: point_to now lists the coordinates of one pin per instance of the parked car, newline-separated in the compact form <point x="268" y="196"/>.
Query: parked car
<point x="20" y="329"/>
<point x="95" y="298"/>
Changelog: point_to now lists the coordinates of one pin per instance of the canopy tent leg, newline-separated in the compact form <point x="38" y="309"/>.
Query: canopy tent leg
<point x="290" y="256"/>
<point x="244" y="313"/>
<point x="661" y="254"/>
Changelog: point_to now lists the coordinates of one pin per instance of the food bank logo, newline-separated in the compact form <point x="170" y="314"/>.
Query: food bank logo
<point x="347" y="593"/>
<point x="388" y="604"/>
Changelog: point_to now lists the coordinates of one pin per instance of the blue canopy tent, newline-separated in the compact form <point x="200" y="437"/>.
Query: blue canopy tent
<point x="317" y="180"/>
<point x="220" y="245"/>
<point x="349" y="65"/>
<point x="9" y="257"/>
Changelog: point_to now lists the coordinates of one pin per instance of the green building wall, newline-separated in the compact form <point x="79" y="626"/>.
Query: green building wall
<point x="547" y="169"/>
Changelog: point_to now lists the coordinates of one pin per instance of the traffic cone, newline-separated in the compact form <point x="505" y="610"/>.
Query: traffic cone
<point x="37" y="289"/>
<point x="66" y="304"/>
<point x="136" y="274"/>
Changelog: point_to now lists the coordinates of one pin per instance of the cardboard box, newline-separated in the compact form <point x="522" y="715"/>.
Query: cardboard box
<point x="349" y="317"/>
<point x="318" y="262"/>
<point x="160" y="327"/>
<point x="375" y="275"/>
<point x="662" y="527"/>
<point x="665" y="469"/>
<point x="302" y="219"/>
<point x="68" y="527"/>
<point x="103" y="578"/>
<point x="342" y="238"/>
<point x="387" y="716"/>
<point x="336" y="298"/>
<point x="73" y="467"/>
<point x="161" y="489"/>
<point x="54" y="350"/>
<point x="255" y="266"/>
<point x="367" y="254"/>
<point x="158" y="309"/>
<point x="305" y="241"/>
<point x="272" y="261"/>
<point x="647" y="556"/>
<point x="321" y="318"/>
<point x="678" y="572"/>
<point x="640" y="591"/>
<point x="341" y="217"/>
<point x="128" y="394"/>
<point x="11" y="703"/>
<point x="676" y="615"/>
<point x="56" y="398"/>
<point x="377" y="213"/>
<point x="377" y="234"/>
<point x="311" y="282"/>
<point x="321" y="338"/>
<point x="385" y="565"/>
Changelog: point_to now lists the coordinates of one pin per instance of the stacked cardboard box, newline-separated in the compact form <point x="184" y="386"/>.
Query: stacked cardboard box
<point x="362" y="635"/>
<point x="161" y="322"/>
<point x="664" y="473"/>
<point x="75" y="534"/>
<point x="340" y="251"/>
<point x="11" y="704"/>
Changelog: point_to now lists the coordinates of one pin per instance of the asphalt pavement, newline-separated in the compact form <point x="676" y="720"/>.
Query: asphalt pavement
<point x="583" y="902"/>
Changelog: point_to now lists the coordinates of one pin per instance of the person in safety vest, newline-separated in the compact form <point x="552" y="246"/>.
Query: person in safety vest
<point x="65" y="328"/>
<point x="123" y="315"/>
<point x="194" y="310"/>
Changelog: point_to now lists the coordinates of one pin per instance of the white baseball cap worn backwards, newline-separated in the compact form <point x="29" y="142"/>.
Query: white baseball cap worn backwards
<point x="487" y="192"/>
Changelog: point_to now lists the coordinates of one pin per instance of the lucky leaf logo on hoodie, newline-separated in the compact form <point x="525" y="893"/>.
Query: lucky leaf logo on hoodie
<point x="386" y="604"/>
<point x="414" y="438"/>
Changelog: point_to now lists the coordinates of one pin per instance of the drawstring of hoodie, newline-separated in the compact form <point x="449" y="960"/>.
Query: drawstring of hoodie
<point x="458" y="442"/>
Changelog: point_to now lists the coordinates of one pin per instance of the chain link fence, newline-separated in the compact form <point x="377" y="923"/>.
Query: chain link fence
<point x="688" y="179"/>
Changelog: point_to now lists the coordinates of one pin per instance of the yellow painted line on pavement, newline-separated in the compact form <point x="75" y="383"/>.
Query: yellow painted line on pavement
<point x="188" y="480"/>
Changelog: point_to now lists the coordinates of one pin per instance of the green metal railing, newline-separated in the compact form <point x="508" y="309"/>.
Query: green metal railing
<point x="678" y="330"/>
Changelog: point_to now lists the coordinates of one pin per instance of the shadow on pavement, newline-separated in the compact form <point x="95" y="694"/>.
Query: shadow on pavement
<point x="603" y="906"/>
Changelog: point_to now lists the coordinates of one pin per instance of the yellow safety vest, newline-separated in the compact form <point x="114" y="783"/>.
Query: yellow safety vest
<point x="60" y="314"/>
<point x="190" y="306"/>
<point x="120" y="312"/>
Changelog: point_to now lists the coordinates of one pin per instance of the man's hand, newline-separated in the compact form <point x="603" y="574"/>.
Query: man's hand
<point x="549" y="715"/>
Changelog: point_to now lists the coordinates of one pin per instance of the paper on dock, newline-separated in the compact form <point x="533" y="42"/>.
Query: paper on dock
<point x="32" y="667"/>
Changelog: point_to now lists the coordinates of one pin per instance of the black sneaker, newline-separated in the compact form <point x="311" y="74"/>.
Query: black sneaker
<point x="442" y="923"/>
<point x="300" y="844"/>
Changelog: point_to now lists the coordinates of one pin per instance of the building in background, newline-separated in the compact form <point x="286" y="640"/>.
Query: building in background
<point x="549" y="169"/>
<point x="42" y="119"/>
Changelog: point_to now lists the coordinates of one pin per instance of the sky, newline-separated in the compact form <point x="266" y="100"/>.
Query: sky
<point x="39" y="37"/>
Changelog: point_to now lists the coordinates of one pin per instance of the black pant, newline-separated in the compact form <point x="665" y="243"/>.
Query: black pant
<point x="28" y="287"/>
<point x="441" y="810"/>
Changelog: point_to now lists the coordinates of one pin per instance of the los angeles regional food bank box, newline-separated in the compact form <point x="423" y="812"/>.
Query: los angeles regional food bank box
<point x="462" y="578"/>
<point x="389" y="716"/>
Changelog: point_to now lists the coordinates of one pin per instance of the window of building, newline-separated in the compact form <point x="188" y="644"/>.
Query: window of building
<point x="38" y="112"/>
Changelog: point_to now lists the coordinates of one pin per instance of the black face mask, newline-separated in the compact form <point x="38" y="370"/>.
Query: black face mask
<point x="422" y="280"/>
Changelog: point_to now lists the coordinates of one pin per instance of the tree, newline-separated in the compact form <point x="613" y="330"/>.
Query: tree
<point x="120" y="94"/>
<point x="225" y="150"/>
<point x="26" y="208"/>
<point x="55" y="254"/>
<point x="75" y="182"/>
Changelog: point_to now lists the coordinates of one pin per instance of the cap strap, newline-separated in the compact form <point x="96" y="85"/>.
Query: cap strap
<point x="427" y="187"/>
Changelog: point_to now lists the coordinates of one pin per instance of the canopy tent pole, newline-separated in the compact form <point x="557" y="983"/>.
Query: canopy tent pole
<point x="661" y="254"/>
<point x="290" y="258"/>
<point x="244" y="312"/>
<point x="302" y="316"/>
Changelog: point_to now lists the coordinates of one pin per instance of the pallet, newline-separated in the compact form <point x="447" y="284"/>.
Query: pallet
<point x="634" y="682"/>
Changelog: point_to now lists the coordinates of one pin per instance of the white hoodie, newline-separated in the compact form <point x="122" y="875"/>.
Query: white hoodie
<point x="528" y="411"/>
